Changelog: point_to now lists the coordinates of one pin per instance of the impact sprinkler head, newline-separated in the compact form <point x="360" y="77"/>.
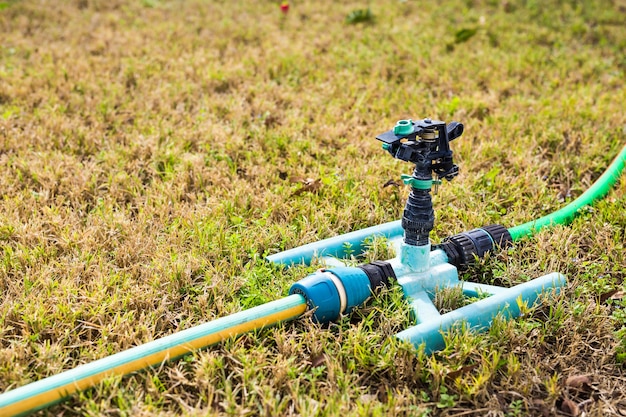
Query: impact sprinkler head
<point x="425" y="143"/>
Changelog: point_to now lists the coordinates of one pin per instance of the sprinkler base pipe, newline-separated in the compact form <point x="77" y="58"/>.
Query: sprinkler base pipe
<point x="479" y="315"/>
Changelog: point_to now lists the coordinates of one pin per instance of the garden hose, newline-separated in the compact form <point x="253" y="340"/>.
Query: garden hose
<point x="565" y="215"/>
<point x="45" y="392"/>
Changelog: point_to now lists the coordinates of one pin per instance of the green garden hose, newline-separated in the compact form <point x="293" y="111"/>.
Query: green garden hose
<point x="565" y="215"/>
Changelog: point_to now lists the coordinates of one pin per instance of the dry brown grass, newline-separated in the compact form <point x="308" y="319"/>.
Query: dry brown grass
<point x="150" y="155"/>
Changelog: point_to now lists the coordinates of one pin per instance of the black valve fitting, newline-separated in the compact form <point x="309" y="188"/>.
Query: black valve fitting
<point x="464" y="248"/>
<point x="418" y="217"/>
<point x="378" y="273"/>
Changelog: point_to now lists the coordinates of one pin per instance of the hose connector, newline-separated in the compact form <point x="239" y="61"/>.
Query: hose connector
<point x="462" y="249"/>
<point x="332" y="292"/>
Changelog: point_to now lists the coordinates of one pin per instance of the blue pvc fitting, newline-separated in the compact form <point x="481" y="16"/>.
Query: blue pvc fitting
<point x="479" y="314"/>
<point x="321" y="295"/>
<point x="337" y="246"/>
<point x="356" y="284"/>
<point x="331" y="292"/>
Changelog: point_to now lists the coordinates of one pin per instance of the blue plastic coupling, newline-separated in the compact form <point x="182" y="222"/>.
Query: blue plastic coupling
<point x="332" y="292"/>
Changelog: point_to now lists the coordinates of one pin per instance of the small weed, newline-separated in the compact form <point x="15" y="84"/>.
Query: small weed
<point x="464" y="35"/>
<point x="347" y="249"/>
<point x="446" y="400"/>
<point x="6" y="4"/>
<point x="360" y="16"/>
<point x="150" y="3"/>
<point x="516" y="409"/>
<point x="553" y="388"/>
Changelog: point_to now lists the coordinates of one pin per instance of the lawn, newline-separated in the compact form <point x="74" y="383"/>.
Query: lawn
<point x="154" y="152"/>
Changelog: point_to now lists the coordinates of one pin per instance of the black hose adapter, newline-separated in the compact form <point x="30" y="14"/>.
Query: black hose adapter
<point x="462" y="249"/>
<point x="378" y="273"/>
<point x="418" y="217"/>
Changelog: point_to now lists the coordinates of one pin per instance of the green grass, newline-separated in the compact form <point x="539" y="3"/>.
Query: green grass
<point x="152" y="152"/>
